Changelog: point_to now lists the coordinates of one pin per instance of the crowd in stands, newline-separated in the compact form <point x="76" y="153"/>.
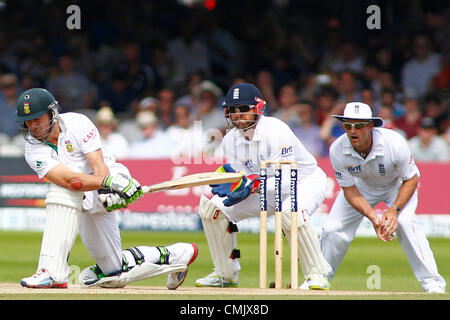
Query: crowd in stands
<point x="151" y="74"/>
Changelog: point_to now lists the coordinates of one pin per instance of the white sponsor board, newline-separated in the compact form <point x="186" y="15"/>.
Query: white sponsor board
<point x="33" y="219"/>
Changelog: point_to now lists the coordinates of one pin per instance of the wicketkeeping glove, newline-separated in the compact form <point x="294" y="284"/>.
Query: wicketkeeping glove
<point x="248" y="185"/>
<point x="126" y="186"/>
<point x="113" y="200"/>
<point x="237" y="191"/>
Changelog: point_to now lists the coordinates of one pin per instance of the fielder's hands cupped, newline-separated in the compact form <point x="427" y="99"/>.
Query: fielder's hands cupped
<point x="378" y="226"/>
<point x="126" y="186"/>
<point x="389" y="222"/>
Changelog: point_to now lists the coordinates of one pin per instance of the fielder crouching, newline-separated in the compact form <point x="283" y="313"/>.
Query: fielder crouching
<point x="66" y="150"/>
<point x="253" y="138"/>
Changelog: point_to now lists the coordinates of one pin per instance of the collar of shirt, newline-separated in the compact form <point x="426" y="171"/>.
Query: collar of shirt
<point x="377" y="147"/>
<point x="257" y="134"/>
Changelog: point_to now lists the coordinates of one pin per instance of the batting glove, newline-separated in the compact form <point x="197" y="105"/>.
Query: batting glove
<point x="112" y="200"/>
<point x="126" y="186"/>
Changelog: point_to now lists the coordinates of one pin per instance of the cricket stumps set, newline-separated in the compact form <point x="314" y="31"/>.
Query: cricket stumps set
<point x="278" y="246"/>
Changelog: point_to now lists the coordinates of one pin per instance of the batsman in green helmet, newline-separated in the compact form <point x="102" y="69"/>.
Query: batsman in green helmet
<point x="65" y="148"/>
<point x="35" y="104"/>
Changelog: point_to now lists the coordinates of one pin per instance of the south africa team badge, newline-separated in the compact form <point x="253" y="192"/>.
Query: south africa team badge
<point x="69" y="146"/>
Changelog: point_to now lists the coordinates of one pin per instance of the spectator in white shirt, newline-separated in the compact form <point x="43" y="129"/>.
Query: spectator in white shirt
<point x="419" y="71"/>
<point x="155" y="144"/>
<point x="427" y="145"/>
<point x="114" y="142"/>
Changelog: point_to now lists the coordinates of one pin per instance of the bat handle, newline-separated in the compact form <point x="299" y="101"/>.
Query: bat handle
<point x="145" y="189"/>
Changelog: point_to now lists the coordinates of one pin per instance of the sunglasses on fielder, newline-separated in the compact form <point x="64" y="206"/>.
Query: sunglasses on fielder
<point x="241" y="109"/>
<point x="356" y="125"/>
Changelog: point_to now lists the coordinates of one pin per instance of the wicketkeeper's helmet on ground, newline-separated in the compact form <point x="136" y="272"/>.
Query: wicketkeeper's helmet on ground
<point x="243" y="95"/>
<point x="33" y="104"/>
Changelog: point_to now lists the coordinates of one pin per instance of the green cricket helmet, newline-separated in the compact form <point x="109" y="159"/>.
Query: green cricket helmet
<point x="34" y="103"/>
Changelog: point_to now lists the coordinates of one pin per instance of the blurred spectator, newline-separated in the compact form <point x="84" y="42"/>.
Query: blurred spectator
<point x="441" y="81"/>
<point x="116" y="93"/>
<point x="331" y="53"/>
<point x="386" y="63"/>
<point x="168" y="70"/>
<point x="140" y="77"/>
<point x="386" y="112"/>
<point x="349" y="59"/>
<point x="189" y="98"/>
<point x="8" y="98"/>
<point x="288" y="99"/>
<point x="165" y="114"/>
<point x="308" y="132"/>
<point x="425" y="63"/>
<point x="410" y="121"/>
<point x="73" y="90"/>
<point x="155" y="143"/>
<point x="435" y="108"/>
<point x="368" y="97"/>
<point x="187" y="138"/>
<point x="206" y="110"/>
<point x="427" y="145"/>
<point x="371" y="78"/>
<point x="264" y="81"/>
<point x="348" y="87"/>
<point x="113" y="142"/>
<point x="331" y="128"/>
<point x="324" y="102"/>
<point x="129" y="126"/>
<point x="387" y="98"/>
<point x="223" y="49"/>
<point x="188" y="51"/>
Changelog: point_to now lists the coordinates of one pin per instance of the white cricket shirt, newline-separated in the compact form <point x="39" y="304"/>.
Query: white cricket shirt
<point x="78" y="137"/>
<point x="272" y="140"/>
<point x="385" y="167"/>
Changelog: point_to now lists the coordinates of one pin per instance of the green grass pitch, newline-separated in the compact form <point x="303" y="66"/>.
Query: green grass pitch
<point x="19" y="255"/>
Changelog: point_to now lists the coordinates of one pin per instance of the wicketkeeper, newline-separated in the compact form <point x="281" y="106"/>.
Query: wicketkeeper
<point x="253" y="138"/>
<point x="65" y="149"/>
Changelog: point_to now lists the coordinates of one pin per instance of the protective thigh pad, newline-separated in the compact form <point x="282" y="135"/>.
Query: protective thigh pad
<point x="63" y="208"/>
<point x="309" y="253"/>
<point x="221" y="241"/>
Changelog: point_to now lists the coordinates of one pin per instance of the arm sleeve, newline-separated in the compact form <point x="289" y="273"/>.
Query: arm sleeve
<point x="404" y="162"/>
<point x="89" y="135"/>
<point x="39" y="159"/>
<point x="343" y="177"/>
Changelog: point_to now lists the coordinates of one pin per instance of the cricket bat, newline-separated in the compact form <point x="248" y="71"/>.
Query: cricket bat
<point x="193" y="180"/>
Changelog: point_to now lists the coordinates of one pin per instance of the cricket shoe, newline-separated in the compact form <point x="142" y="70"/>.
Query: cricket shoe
<point x="42" y="280"/>
<point x="315" y="281"/>
<point x="215" y="279"/>
<point x="433" y="287"/>
<point x="180" y="253"/>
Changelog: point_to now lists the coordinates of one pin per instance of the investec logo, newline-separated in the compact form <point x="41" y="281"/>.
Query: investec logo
<point x="277" y="189"/>
<point x="293" y="190"/>
<point x="262" y="189"/>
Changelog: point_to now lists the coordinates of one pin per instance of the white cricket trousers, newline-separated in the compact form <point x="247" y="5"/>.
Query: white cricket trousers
<point x="340" y="227"/>
<point x="101" y="236"/>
